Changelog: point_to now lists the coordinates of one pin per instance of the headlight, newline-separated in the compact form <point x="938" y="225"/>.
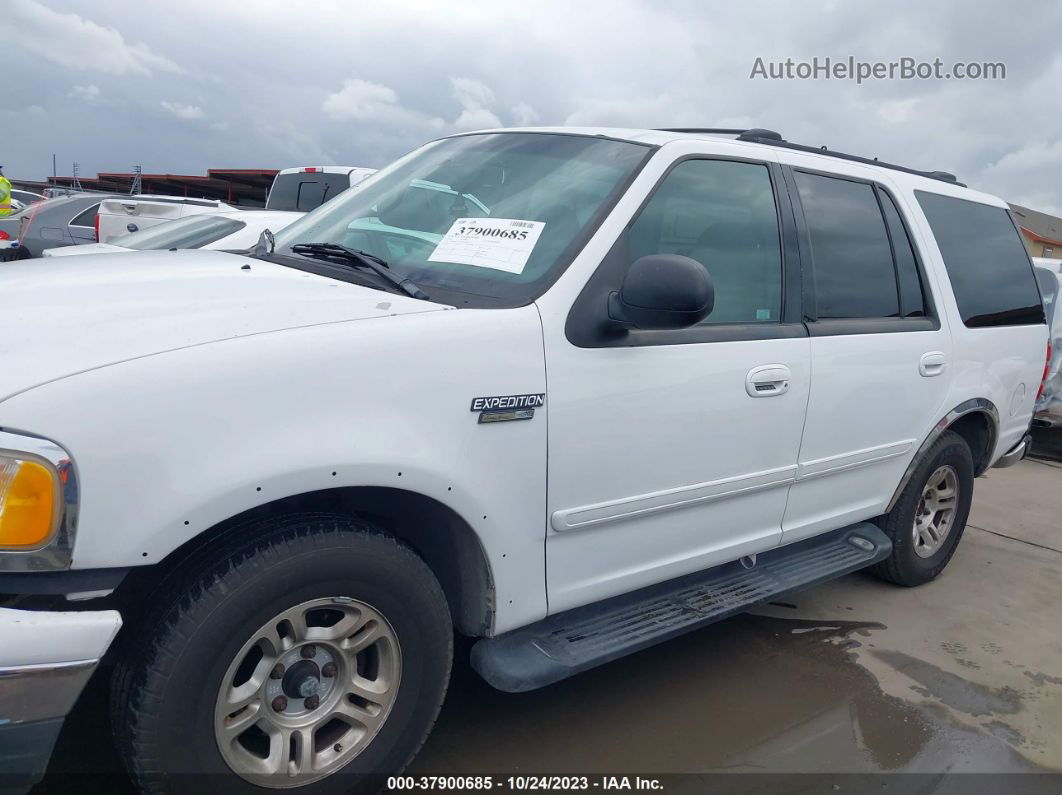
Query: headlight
<point x="39" y="498"/>
<point x="29" y="502"/>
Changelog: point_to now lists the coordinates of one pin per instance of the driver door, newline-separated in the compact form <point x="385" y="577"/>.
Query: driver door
<point x="673" y="451"/>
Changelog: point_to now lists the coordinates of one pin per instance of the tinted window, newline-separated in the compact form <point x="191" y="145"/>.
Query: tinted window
<point x="854" y="274"/>
<point x="987" y="264"/>
<point x="912" y="297"/>
<point x="305" y="191"/>
<point x="86" y="217"/>
<point x="193" y="231"/>
<point x="722" y="214"/>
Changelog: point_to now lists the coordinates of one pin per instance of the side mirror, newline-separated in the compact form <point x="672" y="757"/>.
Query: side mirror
<point x="663" y="291"/>
<point x="265" y="245"/>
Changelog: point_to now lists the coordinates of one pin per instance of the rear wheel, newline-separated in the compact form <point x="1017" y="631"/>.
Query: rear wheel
<point x="928" y="519"/>
<point x="315" y="655"/>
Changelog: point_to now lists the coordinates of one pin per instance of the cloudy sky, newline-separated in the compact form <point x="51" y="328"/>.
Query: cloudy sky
<point x="181" y="87"/>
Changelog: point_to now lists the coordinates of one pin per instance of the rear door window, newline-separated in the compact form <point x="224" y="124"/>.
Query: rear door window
<point x="853" y="264"/>
<point x="988" y="266"/>
<point x="912" y="293"/>
<point x="305" y="191"/>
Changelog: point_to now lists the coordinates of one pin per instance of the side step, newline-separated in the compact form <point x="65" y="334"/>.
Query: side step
<point x="568" y="643"/>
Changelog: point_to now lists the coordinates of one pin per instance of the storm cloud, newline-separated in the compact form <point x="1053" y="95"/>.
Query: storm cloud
<point x="273" y="84"/>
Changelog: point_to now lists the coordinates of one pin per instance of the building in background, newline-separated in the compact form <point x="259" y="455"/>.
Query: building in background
<point x="1042" y="232"/>
<point x="242" y="187"/>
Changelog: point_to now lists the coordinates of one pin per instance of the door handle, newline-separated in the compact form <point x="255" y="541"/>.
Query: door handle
<point x="768" y="380"/>
<point x="931" y="364"/>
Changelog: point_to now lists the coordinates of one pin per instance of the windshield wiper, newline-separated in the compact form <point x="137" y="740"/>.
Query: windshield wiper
<point x="361" y="259"/>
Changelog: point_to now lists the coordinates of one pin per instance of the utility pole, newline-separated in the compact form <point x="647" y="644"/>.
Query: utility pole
<point x="54" y="172"/>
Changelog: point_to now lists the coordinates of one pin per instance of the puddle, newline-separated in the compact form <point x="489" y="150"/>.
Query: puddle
<point x="954" y="691"/>
<point x="754" y="693"/>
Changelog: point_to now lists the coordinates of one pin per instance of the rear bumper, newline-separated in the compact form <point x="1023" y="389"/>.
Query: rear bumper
<point x="45" y="661"/>
<point x="1015" y="454"/>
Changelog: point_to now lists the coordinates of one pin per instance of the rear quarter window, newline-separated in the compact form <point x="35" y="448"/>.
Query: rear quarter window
<point x="989" y="269"/>
<point x="86" y="217"/>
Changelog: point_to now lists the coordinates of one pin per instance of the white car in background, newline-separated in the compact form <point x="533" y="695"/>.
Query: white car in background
<point x="308" y="187"/>
<point x="124" y="216"/>
<point x="238" y="229"/>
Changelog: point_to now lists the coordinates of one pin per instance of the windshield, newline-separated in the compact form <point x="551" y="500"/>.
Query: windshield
<point x="496" y="216"/>
<point x="305" y="191"/>
<point x="190" y="232"/>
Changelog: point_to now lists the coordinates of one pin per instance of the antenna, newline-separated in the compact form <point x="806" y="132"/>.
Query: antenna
<point x="135" y="188"/>
<point x="77" y="182"/>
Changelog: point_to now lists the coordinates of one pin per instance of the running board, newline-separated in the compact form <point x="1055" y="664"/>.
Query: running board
<point x="574" y="641"/>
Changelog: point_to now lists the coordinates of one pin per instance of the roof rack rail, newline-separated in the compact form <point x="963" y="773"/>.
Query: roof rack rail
<point x="771" y="138"/>
<point x="711" y="130"/>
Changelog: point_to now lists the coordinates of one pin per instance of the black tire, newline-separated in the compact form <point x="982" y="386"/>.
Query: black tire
<point x="904" y="566"/>
<point x="165" y="689"/>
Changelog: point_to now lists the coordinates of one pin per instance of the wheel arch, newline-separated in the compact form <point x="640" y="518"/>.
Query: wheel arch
<point x="443" y="539"/>
<point x="976" y="421"/>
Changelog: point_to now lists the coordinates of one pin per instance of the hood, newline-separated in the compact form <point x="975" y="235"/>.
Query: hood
<point x="68" y="315"/>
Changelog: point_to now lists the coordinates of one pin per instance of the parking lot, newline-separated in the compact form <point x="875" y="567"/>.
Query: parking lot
<point x="961" y="675"/>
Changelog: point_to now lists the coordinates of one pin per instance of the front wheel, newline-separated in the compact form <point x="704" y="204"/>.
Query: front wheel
<point x="313" y="654"/>
<point x="928" y="519"/>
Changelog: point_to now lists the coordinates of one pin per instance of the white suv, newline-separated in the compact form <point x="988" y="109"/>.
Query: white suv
<point x="593" y="389"/>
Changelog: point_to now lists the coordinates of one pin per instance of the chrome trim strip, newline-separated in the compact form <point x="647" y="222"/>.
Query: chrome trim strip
<point x="57" y="551"/>
<point x="669" y="499"/>
<point x="1014" y="454"/>
<point x="39" y="692"/>
<point x="846" y="461"/>
<point x="982" y="405"/>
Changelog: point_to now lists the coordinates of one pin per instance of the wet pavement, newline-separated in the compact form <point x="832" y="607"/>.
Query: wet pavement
<point x="855" y="676"/>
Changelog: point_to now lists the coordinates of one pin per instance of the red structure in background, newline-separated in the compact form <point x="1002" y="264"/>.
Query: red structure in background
<point x="245" y="187"/>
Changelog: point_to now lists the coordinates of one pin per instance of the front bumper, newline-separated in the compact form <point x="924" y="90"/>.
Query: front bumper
<point x="46" y="659"/>
<point x="1015" y="454"/>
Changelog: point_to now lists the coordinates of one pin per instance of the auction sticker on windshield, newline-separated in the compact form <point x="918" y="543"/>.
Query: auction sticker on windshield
<point x="504" y="244"/>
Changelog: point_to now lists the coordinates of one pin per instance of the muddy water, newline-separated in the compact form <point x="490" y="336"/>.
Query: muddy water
<point x="754" y="693"/>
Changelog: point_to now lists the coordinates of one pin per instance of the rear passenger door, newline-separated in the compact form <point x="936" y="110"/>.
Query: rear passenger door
<point x="879" y="351"/>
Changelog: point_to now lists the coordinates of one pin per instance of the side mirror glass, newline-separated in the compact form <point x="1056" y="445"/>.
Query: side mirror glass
<point x="663" y="291"/>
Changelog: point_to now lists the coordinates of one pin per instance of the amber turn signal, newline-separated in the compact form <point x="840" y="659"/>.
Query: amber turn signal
<point x="29" y="503"/>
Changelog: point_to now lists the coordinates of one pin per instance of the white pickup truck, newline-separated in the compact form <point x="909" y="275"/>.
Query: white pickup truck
<point x="306" y="188"/>
<point x="571" y="392"/>
<point x="137" y="213"/>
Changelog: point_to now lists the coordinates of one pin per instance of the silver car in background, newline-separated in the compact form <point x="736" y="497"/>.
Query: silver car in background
<point x="65" y="221"/>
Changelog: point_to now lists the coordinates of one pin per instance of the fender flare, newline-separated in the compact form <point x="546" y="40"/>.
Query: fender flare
<point x="972" y="406"/>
